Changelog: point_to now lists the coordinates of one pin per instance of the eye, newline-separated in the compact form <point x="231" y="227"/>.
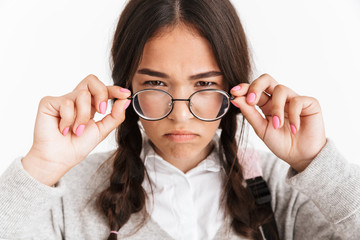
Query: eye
<point x="204" y="84"/>
<point x="154" y="83"/>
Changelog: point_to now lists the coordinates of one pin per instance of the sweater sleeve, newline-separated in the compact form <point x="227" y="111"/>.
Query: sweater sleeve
<point x="333" y="185"/>
<point x="322" y="202"/>
<point x="26" y="205"/>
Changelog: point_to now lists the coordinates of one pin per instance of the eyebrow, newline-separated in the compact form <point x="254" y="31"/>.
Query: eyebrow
<point x="153" y="73"/>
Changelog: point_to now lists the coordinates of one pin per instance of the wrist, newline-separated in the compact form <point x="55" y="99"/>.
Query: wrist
<point x="301" y="165"/>
<point x="42" y="169"/>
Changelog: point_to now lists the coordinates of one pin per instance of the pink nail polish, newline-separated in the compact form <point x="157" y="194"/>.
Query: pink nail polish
<point x="102" y="107"/>
<point x="124" y="90"/>
<point x="65" y="131"/>
<point x="235" y="104"/>
<point x="251" y="97"/>
<point x="236" y="88"/>
<point x="80" y="130"/>
<point x="276" y="122"/>
<point x="127" y="104"/>
<point x="293" y="128"/>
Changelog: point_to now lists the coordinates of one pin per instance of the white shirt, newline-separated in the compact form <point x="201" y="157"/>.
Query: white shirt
<point x="185" y="205"/>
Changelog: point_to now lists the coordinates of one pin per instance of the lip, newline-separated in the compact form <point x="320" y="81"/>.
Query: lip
<point x="181" y="135"/>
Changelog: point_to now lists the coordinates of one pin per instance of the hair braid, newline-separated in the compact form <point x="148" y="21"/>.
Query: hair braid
<point x="245" y="220"/>
<point x="125" y="195"/>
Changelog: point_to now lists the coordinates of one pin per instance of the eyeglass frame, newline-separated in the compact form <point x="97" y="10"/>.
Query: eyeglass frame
<point x="229" y="98"/>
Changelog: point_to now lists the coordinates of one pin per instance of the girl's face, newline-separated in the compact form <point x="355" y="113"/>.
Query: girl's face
<point x="180" y="62"/>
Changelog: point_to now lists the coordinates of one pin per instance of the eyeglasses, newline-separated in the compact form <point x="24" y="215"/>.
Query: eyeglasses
<point x="207" y="105"/>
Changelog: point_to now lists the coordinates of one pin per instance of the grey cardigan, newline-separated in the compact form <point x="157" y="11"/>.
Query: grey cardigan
<point x="322" y="202"/>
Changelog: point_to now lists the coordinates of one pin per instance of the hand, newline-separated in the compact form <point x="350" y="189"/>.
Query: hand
<point x="293" y="127"/>
<point x="65" y="132"/>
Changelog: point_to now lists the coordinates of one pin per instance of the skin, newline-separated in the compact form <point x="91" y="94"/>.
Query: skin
<point x="181" y="139"/>
<point x="293" y="128"/>
<point x="65" y="132"/>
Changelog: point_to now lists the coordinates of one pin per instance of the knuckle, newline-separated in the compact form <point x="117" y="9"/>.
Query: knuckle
<point x="84" y="93"/>
<point x="315" y="100"/>
<point x="87" y="79"/>
<point x="91" y="77"/>
<point x="68" y="103"/>
<point x="46" y="99"/>
<point x="265" y="75"/>
<point x="95" y="81"/>
<point x="296" y="100"/>
<point x="280" y="88"/>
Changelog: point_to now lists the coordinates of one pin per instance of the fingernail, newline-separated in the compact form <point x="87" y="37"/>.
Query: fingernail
<point x="235" y="104"/>
<point x="251" y="97"/>
<point x="276" y="122"/>
<point x="103" y="107"/>
<point x="293" y="128"/>
<point x="127" y="104"/>
<point x="236" y="88"/>
<point x="124" y="90"/>
<point x="65" y="131"/>
<point x="80" y="130"/>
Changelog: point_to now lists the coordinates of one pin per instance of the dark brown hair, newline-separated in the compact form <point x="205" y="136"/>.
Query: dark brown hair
<point x="218" y="22"/>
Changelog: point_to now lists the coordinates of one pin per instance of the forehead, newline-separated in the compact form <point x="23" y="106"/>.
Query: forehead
<point x="180" y="48"/>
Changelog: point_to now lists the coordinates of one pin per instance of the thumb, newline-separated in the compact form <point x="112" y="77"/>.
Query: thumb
<point x="113" y="119"/>
<point x="252" y="115"/>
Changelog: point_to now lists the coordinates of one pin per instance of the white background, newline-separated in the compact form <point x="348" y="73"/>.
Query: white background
<point x="47" y="47"/>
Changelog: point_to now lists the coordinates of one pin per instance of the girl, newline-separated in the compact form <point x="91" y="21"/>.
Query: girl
<point x="177" y="173"/>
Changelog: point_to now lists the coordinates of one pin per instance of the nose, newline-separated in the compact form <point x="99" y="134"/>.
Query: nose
<point x="180" y="111"/>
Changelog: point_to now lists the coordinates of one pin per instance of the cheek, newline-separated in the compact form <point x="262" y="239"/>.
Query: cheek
<point x="211" y="130"/>
<point x="151" y="128"/>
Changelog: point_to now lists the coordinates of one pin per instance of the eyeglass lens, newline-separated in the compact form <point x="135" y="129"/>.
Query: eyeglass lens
<point x="205" y="105"/>
<point x="208" y="104"/>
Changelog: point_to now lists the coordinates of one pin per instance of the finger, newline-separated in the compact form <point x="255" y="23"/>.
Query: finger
<point x="58" y="107"/>
<point x="83" y="111"/>
<point x="114" y="119"/>
<point x="240" y="90"/>
<point x="67" y="115"/>
<point x="281" y="95"/>
<point x="243" y="89"/>
<point x="252" y="115"/>
<point x="301" y="106"/>
<point x="98" y="91"/>
<point x="256" y="96"/>
<point x="116" y="92"/>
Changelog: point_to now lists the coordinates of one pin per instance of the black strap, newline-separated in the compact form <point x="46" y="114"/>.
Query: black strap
<point x="262" y="196"/>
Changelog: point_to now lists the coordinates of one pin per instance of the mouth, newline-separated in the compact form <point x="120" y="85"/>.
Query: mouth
<point x="180" y="136"/>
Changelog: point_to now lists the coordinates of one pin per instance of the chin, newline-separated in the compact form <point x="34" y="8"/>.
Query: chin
<point x="183" y="152"/>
